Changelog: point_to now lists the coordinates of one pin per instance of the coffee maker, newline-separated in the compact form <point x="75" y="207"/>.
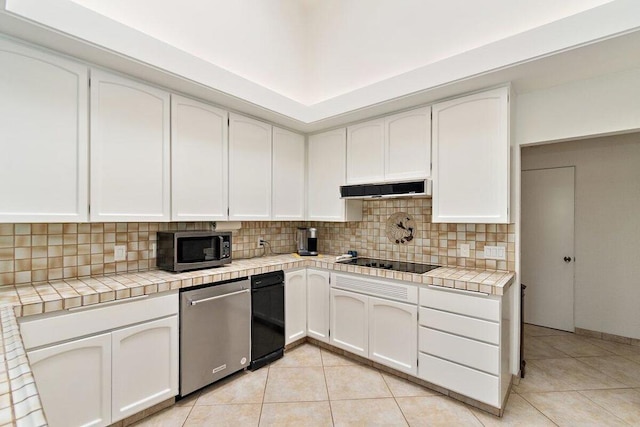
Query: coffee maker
<point x="307" y="241"/>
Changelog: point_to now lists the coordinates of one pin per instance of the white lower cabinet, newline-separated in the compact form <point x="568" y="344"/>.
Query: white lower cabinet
<point x="318" y="304"/>
<point x="96" y="366"/>
<point x="145" y="366"/>
<point x="379" y="329"/>
<point x="295" y="305"/>
<point x="464" y="343"/>
<point x="349" y="322"/>
<point x="74" y="381"/>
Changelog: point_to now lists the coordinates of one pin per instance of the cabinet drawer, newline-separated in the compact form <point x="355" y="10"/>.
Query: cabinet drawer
<point x="460" y="379"/>
<point x="478" y="355"/>
<point x="48" y="329"/>
<point x="470" y="327"/>
<point x="483" y="307"/>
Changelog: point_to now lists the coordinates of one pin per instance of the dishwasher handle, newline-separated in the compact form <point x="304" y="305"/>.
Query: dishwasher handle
<point x="243" y="291"/>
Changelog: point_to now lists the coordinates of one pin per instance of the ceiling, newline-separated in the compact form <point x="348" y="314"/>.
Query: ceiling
<point x="315" y="64"/>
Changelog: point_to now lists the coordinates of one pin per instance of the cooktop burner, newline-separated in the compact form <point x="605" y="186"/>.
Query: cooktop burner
<point x="405" y="267"/>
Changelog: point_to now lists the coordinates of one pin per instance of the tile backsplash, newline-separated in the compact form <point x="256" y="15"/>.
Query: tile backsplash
<point x="45" y="252"/>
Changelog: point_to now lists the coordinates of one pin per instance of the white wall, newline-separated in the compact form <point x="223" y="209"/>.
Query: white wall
<point x="607" y="237"/>
<point x="603" y="105"/>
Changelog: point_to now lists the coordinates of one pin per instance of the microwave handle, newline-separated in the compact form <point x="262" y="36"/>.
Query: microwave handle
<point x="220" y="246"/>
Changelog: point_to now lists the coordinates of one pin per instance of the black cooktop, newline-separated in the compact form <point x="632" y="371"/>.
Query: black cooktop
<point x="406" y="267"/>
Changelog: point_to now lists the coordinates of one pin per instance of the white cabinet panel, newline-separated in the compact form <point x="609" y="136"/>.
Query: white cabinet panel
<point x="318" y="304"/>
<point x="471" y="159"/>
<point x="326" y="159"/>
<point x="393" y="338"/>
<point x="408" y="145"/>
<point x="249" y="169"/>
<point x="477" y="329"/>
<point x="466" y="381"/>
<point x="365" y="152"/>
<point x="74" y="381"/>
<point x="474" y="354"/>
<point x="480" y="306"/>
<point x="199" y="161"/>
<point x="295" y="305"/>
<point x="349" y="322"/>
<point x="44" y="143"/>
<point x="145" y="366"/>
<point x="288" y="163"/>
<point x="130" y="150"/>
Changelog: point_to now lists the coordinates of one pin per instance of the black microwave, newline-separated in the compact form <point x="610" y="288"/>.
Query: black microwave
<point x="192" y="250"/>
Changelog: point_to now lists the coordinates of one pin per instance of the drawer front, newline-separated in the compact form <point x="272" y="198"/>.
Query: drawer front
<point x="48" y="329"/>
<point x="481" y="330"/>
<point x="475" y="354"/>
<point x="466" y="381"/>
<point x="483" y="307"/>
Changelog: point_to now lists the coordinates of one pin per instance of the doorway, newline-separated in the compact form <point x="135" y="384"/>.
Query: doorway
<point x="548" y="207"/>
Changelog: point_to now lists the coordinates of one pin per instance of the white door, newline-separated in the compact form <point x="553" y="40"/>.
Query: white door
<point x="289" y="153"/>
<point x="349" y="322"/>
<point x="393" y="334"/>
<point x="74" y="381"/>
<point x="318" y="304"/>
<point x="130" y="150"/>
<point x="145" y="366"/>
<point x="548" y="247"/>
<point x="295" y="305"/>
<point x="249" y="169"/>
<point x="44" y="140"/>
<point x="199" y="161"/>
<point x="365" y="152"/>
<point x="471" y="159"/>
<point x="408" y="145"/>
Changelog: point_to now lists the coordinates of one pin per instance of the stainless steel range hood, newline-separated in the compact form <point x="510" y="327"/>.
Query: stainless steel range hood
<point x="419" y="188"/>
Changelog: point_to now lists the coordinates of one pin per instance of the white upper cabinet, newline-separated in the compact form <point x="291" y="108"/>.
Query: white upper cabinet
<point x="394" y="148"/>
<point x="408" y="145"/>
<point x="130" y="150"/>
<point x="249" y="169"/>
<point x="44" y="143"/>
<point x="288" y="187"/>
<point x="366" y="152"/>
<point x="471" y="159"/>
<point x="326" y="173"/>
<point x="199" y="160"/>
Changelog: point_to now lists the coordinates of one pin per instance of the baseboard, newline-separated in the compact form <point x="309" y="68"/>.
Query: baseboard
<point x="608" y="337"/>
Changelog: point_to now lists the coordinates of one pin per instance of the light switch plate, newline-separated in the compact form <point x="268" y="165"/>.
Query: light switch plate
<point x="153" y="250"/>
<point x="495" y="252"/>
<point x="464" y="250"/>
<point x="120" y="253"/>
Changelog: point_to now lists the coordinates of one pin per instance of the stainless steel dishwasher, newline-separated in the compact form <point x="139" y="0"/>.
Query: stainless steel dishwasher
<point x="215" y="332"/>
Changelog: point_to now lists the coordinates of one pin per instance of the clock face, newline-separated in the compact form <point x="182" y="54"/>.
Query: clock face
<point x="401" y="228"/>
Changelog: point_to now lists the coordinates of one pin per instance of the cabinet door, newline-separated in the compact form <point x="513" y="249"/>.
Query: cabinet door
<point x="365" y="152"/>
<point x="408" y="145"/>
<point x="393" y="334"/>
<point x="74" y="381"/>
<point x="288" y="175"/>
<point x="326" y="173"/>
<point x="295" y="305"/>
<point x="471" y="159"/>
<point x="349" y="322"/>
<point x="199" y="161"/>
<point x="130" y="150"/>
<point x="145" y="366"/>
<point x="249" y="169"/>
<point x="318" y="304"/>
<point x="44" y="143"/>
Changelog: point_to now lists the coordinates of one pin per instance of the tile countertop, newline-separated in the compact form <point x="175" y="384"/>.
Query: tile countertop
<point x="19" y="400"/>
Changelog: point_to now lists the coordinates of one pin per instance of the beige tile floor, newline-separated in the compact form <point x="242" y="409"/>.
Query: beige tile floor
<point x="571" y="381"/>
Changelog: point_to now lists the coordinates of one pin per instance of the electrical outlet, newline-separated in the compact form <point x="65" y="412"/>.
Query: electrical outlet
<point x="495" y="252"/>
<point x="120" y="253"/>
<point x="260" y="241"/>
<point x="464" y="250"/>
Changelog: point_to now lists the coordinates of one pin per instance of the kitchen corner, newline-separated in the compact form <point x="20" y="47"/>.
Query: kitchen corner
<point x="20" y="403"/>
